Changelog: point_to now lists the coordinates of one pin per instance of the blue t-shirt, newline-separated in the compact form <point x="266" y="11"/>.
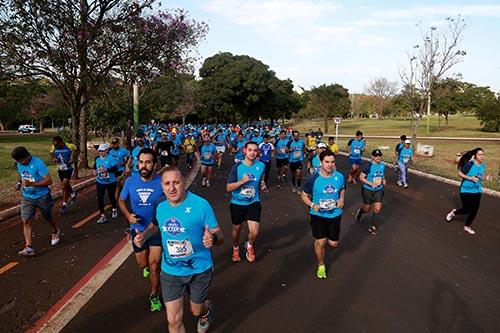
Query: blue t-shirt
<point x="220" y="140"/>
<point x="471" y="169"/>
<point x="239" y="145"/>
<point x="120" y="155"/>
<point x="325" y="191"/>
<point x="182" y="229"/>
<point x="258" y="139"/>
<point x="33" y="172"/>
<point x="405" y="155"/>
<point x="63" y="156"/>
<point x="296" y="150"/>
<point x="106" y="169"/>
<point x="135" y="159"/>
<point x="176" y="150"/>
<point x="247" y="193"/>
<point x="356" y="148"/>
<point x="399" y="146"/>
<point x="142" y="197"/>
<point x="281" y="147"/>
<point x="265" y="151"/>
<point x="208" y="153"/>
<point x="375" y="174"/>
<point x="316" y="163"/>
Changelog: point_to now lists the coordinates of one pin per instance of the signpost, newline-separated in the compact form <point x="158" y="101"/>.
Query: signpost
<point x="337" y="121"/>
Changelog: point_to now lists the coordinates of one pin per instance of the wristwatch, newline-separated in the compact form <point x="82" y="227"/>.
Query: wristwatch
<point x="214" y="238"/>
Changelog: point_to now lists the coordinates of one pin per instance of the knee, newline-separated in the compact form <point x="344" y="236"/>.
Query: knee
<point x="377" y="210"/>
<point x="174" y="319"/>
<point x="320" y="242"/>
<point x="333" y="243"/>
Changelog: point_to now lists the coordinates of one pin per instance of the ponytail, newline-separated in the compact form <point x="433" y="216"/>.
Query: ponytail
<point x="467" y="156"/>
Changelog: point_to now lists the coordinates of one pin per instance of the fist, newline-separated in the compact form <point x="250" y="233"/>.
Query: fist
<point x="245" y="178"/>
<point x="207" y="238"/>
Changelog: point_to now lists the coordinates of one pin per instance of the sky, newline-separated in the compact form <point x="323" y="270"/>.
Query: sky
<point x="347" y="42"/>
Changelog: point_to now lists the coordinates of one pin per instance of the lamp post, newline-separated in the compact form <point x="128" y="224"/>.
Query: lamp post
<point x="429" y="73"/>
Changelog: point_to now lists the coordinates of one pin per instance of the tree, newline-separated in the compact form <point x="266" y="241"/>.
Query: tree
<point x="80" y="45"/>
<point x="489" y="114"/>
<point x="382" y="90"/>
<point x="429" y="63"/>
<point x="329" y="101"/>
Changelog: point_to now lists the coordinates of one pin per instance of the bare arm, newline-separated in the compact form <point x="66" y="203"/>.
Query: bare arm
<point x="45" y="181"/>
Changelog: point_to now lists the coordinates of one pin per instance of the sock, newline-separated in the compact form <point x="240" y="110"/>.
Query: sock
<point x="293" y="180"/>
<point x="375" y="219"/>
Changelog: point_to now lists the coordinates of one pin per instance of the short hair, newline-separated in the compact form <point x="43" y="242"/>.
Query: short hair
<point x="295" y="131"/>
<point x="148" y="151"/>
<point x="282" y="132"/>
<point x="172" y="168"/>
<point x="331" y="138"/>
<point x="326" y="153"/>
<point x="403" y="137"/>
<point x="251" y="143"/>
<point x="358" y="133"/>
<point x="58" y="139"/>
<point x="19" y="153"/>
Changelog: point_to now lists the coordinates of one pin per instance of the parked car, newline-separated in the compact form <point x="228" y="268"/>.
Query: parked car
<point x="27" y="129"/>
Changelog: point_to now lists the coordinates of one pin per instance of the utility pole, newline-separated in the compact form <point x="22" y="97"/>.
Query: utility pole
<point x="136" y="105"/>
<point x="429" y="83"/>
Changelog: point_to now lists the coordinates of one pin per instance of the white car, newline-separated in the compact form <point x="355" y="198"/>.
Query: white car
<point x="27" y="129"/>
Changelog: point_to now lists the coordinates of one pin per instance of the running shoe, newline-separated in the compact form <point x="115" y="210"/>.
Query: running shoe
<point x="63" y="209"/>
<point x="469" y="230"/>
<point x="146" y="272"/>
<point x="56" y="238"/>
<point x="205" y="321"/>
<point x="203" y="182"/>
<point x="155" y="303"/>
<point x="102" y="219"/>
<point x="451" y="215"/>
<point x="321" y="272"/>
<point x="207" y="183"/>
<point x="236" y="254"/>
<point x="372" y="230"/>
<point x="405" y="186"/>
<point x="114" y="213"/>
<point x="299" y="190"/>
<point x="294" y="189"/>
<point x="73" y="197"/>
<point x="28" y="251"/>
<point x="250" y="252"/>
<point x="358" y="215"/>
<point x="400" y="183"/>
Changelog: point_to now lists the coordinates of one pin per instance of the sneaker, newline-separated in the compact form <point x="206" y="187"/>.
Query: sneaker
<point x="294" y="189"/>
<point x="56" y="237"/>
<point x="28" y="251"/>
<point x="102" y="219"/>
<point x="73" y="197"/>
<point x="451" y="215"/>
<point x="469" y="230"/>
<point x="114" y="213"/>
<point x="299" y="190"/>
<point x="208" y="183"/>
<point x="372" y="230"/>
<point x="250" y="252"/>
<point x="146" y="272"/>
<point x="236" y="255"/>
<point x="205" y="321"/>
<point x="63" y="209"/>
<point x="155" y="303"/>
<point x="405" y="186"/>
<point x="203" y="181"/>
<point x="321" y="272"/>
<point x="358" y="215"/>
<point x="400" y="183"/>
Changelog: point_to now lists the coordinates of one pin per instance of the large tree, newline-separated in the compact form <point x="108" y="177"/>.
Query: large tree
<point x="382" y="90"/>
<point x="78" y="45"/>
<point x="489" y="114"/>
<point x="329" y="101"/>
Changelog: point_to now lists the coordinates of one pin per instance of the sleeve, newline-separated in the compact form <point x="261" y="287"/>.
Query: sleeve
<point x="308" y="186"/>
<point x="154" y="219"/>
<point x="367" y="168"/>
<point x="42" y="169"/>
<point x="260" y="145"/>
<point x="466" y="167"/>
<point x="71" y="146"/>
<point x="209" y="216"/>
<point x="289" y="143"/>
<point x="272" y="146"/>
<point x="233" y="174"/>
<point x="349" y="142"/>
<point x="52" y="148"/>
<point x="124" y="194"/>
<point x="95" y="162"/>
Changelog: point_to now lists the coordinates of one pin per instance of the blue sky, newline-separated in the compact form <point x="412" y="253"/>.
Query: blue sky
<point x="346" y="42"/>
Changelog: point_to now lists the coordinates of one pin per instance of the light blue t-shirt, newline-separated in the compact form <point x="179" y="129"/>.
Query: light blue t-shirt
<point x="316" y="163"/>
<point x="356" y="148"/>
<point x="120" y="155"/>
<point x="405" y="155"/>
<point x="375" y="174"/>
<point x="176" y="150"/>
<point x="247" y="193"/>
<point x="208" y="153"/>
<point x="135" y="159"/>
<point x="182" y="229"/>
<point x="33" y="172"/>
<point x="471" y="169"/>
<point x="325" y="191"/>
<point x="106" y="169"/>
<point x="281" y="147"/>
<point x="239" y="145"/>
<point x="296" y="150"/>
<point x="143" y="196"/>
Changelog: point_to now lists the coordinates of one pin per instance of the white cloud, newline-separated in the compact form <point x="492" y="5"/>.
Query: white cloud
<point x="438" y="10"/>
<point x="375" y="41"/>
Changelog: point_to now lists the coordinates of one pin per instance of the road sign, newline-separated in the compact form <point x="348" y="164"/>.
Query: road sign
<point x="337" y="120"/>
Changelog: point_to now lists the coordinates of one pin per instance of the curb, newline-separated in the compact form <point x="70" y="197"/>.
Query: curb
<point x="448" y="181"/>
<point x="421" y="138"/>
<point x="12" y="211"/>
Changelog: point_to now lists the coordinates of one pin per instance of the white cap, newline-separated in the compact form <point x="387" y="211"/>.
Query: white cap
<point x="321" y="145"/>
<point x="103" y="147"/>
<point x="407" y="141"/>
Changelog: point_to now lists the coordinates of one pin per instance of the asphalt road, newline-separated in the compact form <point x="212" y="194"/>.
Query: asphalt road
<point x="419" y="274"/>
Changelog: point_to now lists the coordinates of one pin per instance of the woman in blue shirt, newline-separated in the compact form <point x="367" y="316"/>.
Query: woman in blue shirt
<point x="471" y="169"/>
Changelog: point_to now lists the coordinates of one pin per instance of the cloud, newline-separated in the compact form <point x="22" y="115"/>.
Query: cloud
<point x="438" y="10"/>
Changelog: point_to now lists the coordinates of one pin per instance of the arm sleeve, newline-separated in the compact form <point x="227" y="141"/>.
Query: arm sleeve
<point x="308" y="186"/>
<point x="466" y="167"/>
<point x="349" y="142"/>
<point x="367" y="168"/>
<point x="124" y="194"/>
<point x="232" y="177"/>
<point x="209" y="216"/>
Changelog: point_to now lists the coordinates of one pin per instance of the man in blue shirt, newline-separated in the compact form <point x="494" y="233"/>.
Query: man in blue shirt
<point x="64" y="155"/>
<point x="324" y="195"/>
<point x="140" y="144"/>
<point x="237" y="148"/>
<point x="404" y="157"/>
<point x="208" y="152"/>
<point x="188" y="229"/>
<point x="282" y="155"/>
<point x="105" y="168"/>
<point x="373" y="179"/>
<point x="142" y="191"/>
<point x="35" y="180"/>
<point x="266" y="149"/>
<point x="398" y="148"/>
<point x="244" y="182"/>
<point x="297" y="149"/>
<point x="121" y="156"/>
<point x="355" y="148"/>
<point x="220" y="144"/>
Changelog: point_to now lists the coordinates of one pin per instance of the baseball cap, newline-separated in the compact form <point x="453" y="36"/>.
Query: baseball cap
<point x="407" y="141"/>
<point x="321" y="145"/>
<point x="376" y="152"/>
<point x="103" y="147"/>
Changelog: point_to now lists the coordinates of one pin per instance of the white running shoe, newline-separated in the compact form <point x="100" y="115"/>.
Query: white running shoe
<point x="203" y="181"/>
<point x="207" y="183"/>
<point x="102" y="219"/>
<point x="56" y="238"/>
<point x="400" y="183"/>
<point x="469" y="230"/>
<point x="451" y="215"/>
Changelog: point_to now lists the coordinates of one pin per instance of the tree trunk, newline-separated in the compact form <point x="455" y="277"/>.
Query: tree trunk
<point x="446" y="120"/>
<point x="83" y="134"/>
<point x="325" y="120"/>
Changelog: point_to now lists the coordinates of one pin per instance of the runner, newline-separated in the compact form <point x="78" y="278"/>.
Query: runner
<point x="282" y="155"/>
<point x="121" y="156"/>
<point x="140" y="144"/>
<point x="164" y="150"/>
<point x="237" y="148"/>
<point x="208" y="151"/>
<point x="316" y="162"/>
<point x="35" y="180"/>
<point x="373" y="179"/>
<point x="405" y="157"/>
<point x="188" y="230"/>
<point x="244" y="181"/>
<point x="189" y="146"/>
<point x="64" y="154"/>
<point x="472" y="170"/>
<point x="266" y="151"/>
<point x="297" y="150"/>
<point x="398" y="148"/>
<point x="176" y="150"/>
<point x="355" y="148"/>
<point x="324" y="194"/>
<point x="105" y="168"/>
<point x="220" y="144"/>
<point x="332" y="145"/>
<point x="142" y="191"/>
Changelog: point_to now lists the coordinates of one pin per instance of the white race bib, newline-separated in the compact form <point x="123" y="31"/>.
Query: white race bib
<point x="164" y="153"/>
<point x="328" y="204"/>
<point x="62" y="167"/>
<point x="297" y="154"/>
<point x="248" y="192"/>
<point x="405" y="160"/>
<point x="356" y="151"/>
<point x="179" y="249"/>
<point x="377" y="181"/>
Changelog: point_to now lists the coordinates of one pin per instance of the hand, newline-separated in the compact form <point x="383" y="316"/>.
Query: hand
<point x="316" y="207"/>
<point x="474" y="179"/>
<point x="340" y="203"/>
<point x="138" y="239"/>
<point x="263" y="187"/>
<point x="127" y="171"/>
<point x="25" y="183"/>
<point x="18" y="186"/>
<point x="245" y="178"/>
<point x="207" y="238"/>
<point x="133" y="219"/>
<point x="384" y="182"/>
<point x="70" y="161"/>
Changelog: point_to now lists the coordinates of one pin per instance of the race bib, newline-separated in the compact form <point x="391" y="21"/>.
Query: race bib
<point x="179" y="249"/>
<point x="297" y="154"/>
<point x="103" y="173"/>
<point x="62" y="167"/>
<point x="356" y="151"/>
<point x="248" y="192"/>
<point x="207" y="156"/>
<point x="328" y="204"/>
<point x="164" y="153"/>
<point x="283" y="150"/>
<point x="377" y="181"/>
<point x="405" y="160"/>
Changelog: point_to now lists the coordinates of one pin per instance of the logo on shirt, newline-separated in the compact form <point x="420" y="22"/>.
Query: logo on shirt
<point x="188" y="210"/>
<point x="251" y="176"/>
<point x="144" y="194"/>
<point x="329" y="189"/>
<point x="173" y="226"/>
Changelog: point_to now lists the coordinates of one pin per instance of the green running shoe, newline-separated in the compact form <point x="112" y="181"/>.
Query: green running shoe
<point x="321" y="272"/>
<point x="155" y="303"/>
<point x="146" y="272"/>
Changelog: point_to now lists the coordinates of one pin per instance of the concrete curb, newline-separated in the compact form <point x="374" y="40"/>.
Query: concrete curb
<point x="434" y="177"/>
<point x="419" y="138"/>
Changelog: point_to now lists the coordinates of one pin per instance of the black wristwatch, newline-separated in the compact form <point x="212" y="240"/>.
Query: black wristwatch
<point x="214" y="238"/>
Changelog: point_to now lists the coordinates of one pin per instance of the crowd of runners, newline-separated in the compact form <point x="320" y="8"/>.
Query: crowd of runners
<point x="173" y="229"/>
